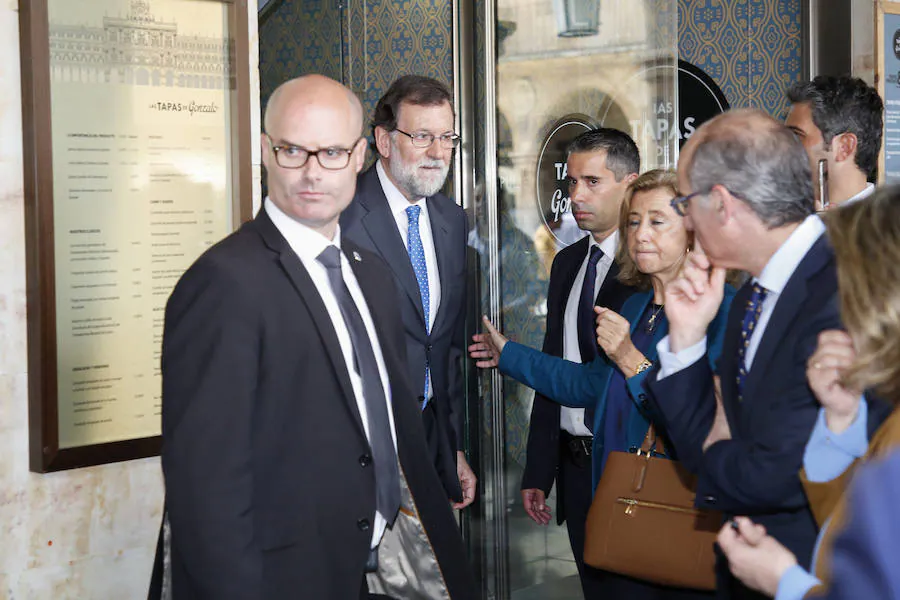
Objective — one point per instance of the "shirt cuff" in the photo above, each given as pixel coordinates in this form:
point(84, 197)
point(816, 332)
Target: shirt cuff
point(672, 362)
point(829, 454)
point(795, 583)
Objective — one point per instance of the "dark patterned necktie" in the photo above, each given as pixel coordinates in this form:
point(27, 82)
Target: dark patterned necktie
point(751, 318)
point(387, 473)
point(587, 337)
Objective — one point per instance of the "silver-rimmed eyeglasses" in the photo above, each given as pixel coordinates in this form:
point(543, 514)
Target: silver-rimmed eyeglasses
point(422, 139)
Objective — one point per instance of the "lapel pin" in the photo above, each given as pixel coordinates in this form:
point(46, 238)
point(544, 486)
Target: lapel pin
point(356, 256)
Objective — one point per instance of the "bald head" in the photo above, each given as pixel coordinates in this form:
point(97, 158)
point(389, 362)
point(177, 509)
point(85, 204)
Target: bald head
point(755, 157)
point(312, 92)
point(313, 150)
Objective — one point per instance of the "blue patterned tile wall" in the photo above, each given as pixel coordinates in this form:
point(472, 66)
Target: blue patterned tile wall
point(383, 39)
point(751, 48)
point(299, 36)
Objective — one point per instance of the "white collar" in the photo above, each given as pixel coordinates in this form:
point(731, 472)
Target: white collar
point(783, 263)
point(306, 242)
point(396, 200)
point(608, 246)
point(865, 193)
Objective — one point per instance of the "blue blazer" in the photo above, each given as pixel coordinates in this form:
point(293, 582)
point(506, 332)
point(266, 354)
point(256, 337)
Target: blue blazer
point(865, 552)
point(584, 385)
point(755, 473)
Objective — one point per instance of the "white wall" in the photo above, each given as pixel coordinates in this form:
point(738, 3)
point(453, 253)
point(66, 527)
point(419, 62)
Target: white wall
point(87, 534)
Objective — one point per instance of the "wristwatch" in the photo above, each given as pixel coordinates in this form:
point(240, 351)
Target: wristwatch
point(643, 366)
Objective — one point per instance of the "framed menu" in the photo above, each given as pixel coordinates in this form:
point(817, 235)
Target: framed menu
point(136, 119)
point(887, 51)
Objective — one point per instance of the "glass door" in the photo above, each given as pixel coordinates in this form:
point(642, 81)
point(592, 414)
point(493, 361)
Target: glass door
point(543, 71)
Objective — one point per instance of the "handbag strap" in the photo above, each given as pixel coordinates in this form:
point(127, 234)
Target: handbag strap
point(653, 442)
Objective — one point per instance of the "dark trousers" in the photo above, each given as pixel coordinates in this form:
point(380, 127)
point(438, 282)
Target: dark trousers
point(576, 494)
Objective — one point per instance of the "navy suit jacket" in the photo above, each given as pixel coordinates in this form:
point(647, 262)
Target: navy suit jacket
point(864, 558)
point(756, 472)
point(586, 385)
point(542, 453)
point(368, 222)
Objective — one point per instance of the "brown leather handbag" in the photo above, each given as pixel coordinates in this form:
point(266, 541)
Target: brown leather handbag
point(643, 524)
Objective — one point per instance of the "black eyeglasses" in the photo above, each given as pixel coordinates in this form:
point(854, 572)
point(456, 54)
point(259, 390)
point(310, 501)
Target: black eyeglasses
point(333, 158)
point(422, 139)
point(680, 203)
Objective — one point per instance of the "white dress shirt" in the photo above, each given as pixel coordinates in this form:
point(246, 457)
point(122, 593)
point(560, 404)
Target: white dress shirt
point(865, 193)
point(774, 278)
point(398, 205)
point(308, 244)
point(572, 419)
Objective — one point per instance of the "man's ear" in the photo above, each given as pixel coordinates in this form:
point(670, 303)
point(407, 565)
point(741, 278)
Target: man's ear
point(265, 149)
point(630, 178)
point(359, 153)
point(383, 141)
point(724, 204)
point(844, 146)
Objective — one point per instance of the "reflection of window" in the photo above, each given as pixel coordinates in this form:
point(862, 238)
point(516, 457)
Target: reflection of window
point(577, 18)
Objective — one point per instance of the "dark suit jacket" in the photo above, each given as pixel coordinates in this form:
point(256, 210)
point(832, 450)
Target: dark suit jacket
point(369, 223)
point(269, 488)
point(756, 472)
point(542, 453)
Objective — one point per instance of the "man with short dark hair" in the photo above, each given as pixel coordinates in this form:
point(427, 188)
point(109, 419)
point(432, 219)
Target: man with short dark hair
point(399, 213)
point(601, 164)
point(839, 120)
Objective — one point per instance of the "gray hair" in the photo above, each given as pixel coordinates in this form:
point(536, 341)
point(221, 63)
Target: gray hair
point(759, 161)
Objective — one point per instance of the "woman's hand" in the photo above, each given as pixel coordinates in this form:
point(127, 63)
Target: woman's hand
point(824, 370)
point(755, 558)
point(614, 337)
point(488, 346)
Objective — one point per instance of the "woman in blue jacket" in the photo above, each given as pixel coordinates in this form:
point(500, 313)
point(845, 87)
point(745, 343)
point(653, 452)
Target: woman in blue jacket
point(653, 245)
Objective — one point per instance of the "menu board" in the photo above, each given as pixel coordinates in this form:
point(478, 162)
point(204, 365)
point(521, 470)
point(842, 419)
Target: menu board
point(141, 131)
point(891, 96)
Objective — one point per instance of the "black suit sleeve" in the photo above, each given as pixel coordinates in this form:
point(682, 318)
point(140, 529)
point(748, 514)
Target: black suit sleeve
point(457, 354)
point(209, 370)
point(757, 472)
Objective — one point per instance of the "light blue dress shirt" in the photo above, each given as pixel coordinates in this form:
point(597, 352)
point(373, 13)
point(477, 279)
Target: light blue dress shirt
point(826, 457)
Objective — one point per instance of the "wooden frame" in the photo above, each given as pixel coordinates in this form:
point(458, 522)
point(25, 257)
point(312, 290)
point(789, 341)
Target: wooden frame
point(883, 7)
point(44, 448)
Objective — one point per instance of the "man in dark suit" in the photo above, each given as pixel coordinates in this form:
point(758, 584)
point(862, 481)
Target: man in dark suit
point(601, 163)
point(286, 402)
point(750, 203)
point(838, 120)
point(400, 214)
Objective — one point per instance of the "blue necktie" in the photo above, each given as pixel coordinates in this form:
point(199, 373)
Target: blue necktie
point(587, 337)
point(387, 472)
point(417, 259)
point(751, 318)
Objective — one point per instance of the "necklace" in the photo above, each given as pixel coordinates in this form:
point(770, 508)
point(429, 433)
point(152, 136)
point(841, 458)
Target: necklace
point(654, 319)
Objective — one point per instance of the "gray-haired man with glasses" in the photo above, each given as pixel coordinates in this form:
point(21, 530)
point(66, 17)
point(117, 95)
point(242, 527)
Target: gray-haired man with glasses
point(399, 213)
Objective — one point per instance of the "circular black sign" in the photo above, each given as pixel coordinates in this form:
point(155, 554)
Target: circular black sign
point(699, 99)
point(552, 190)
